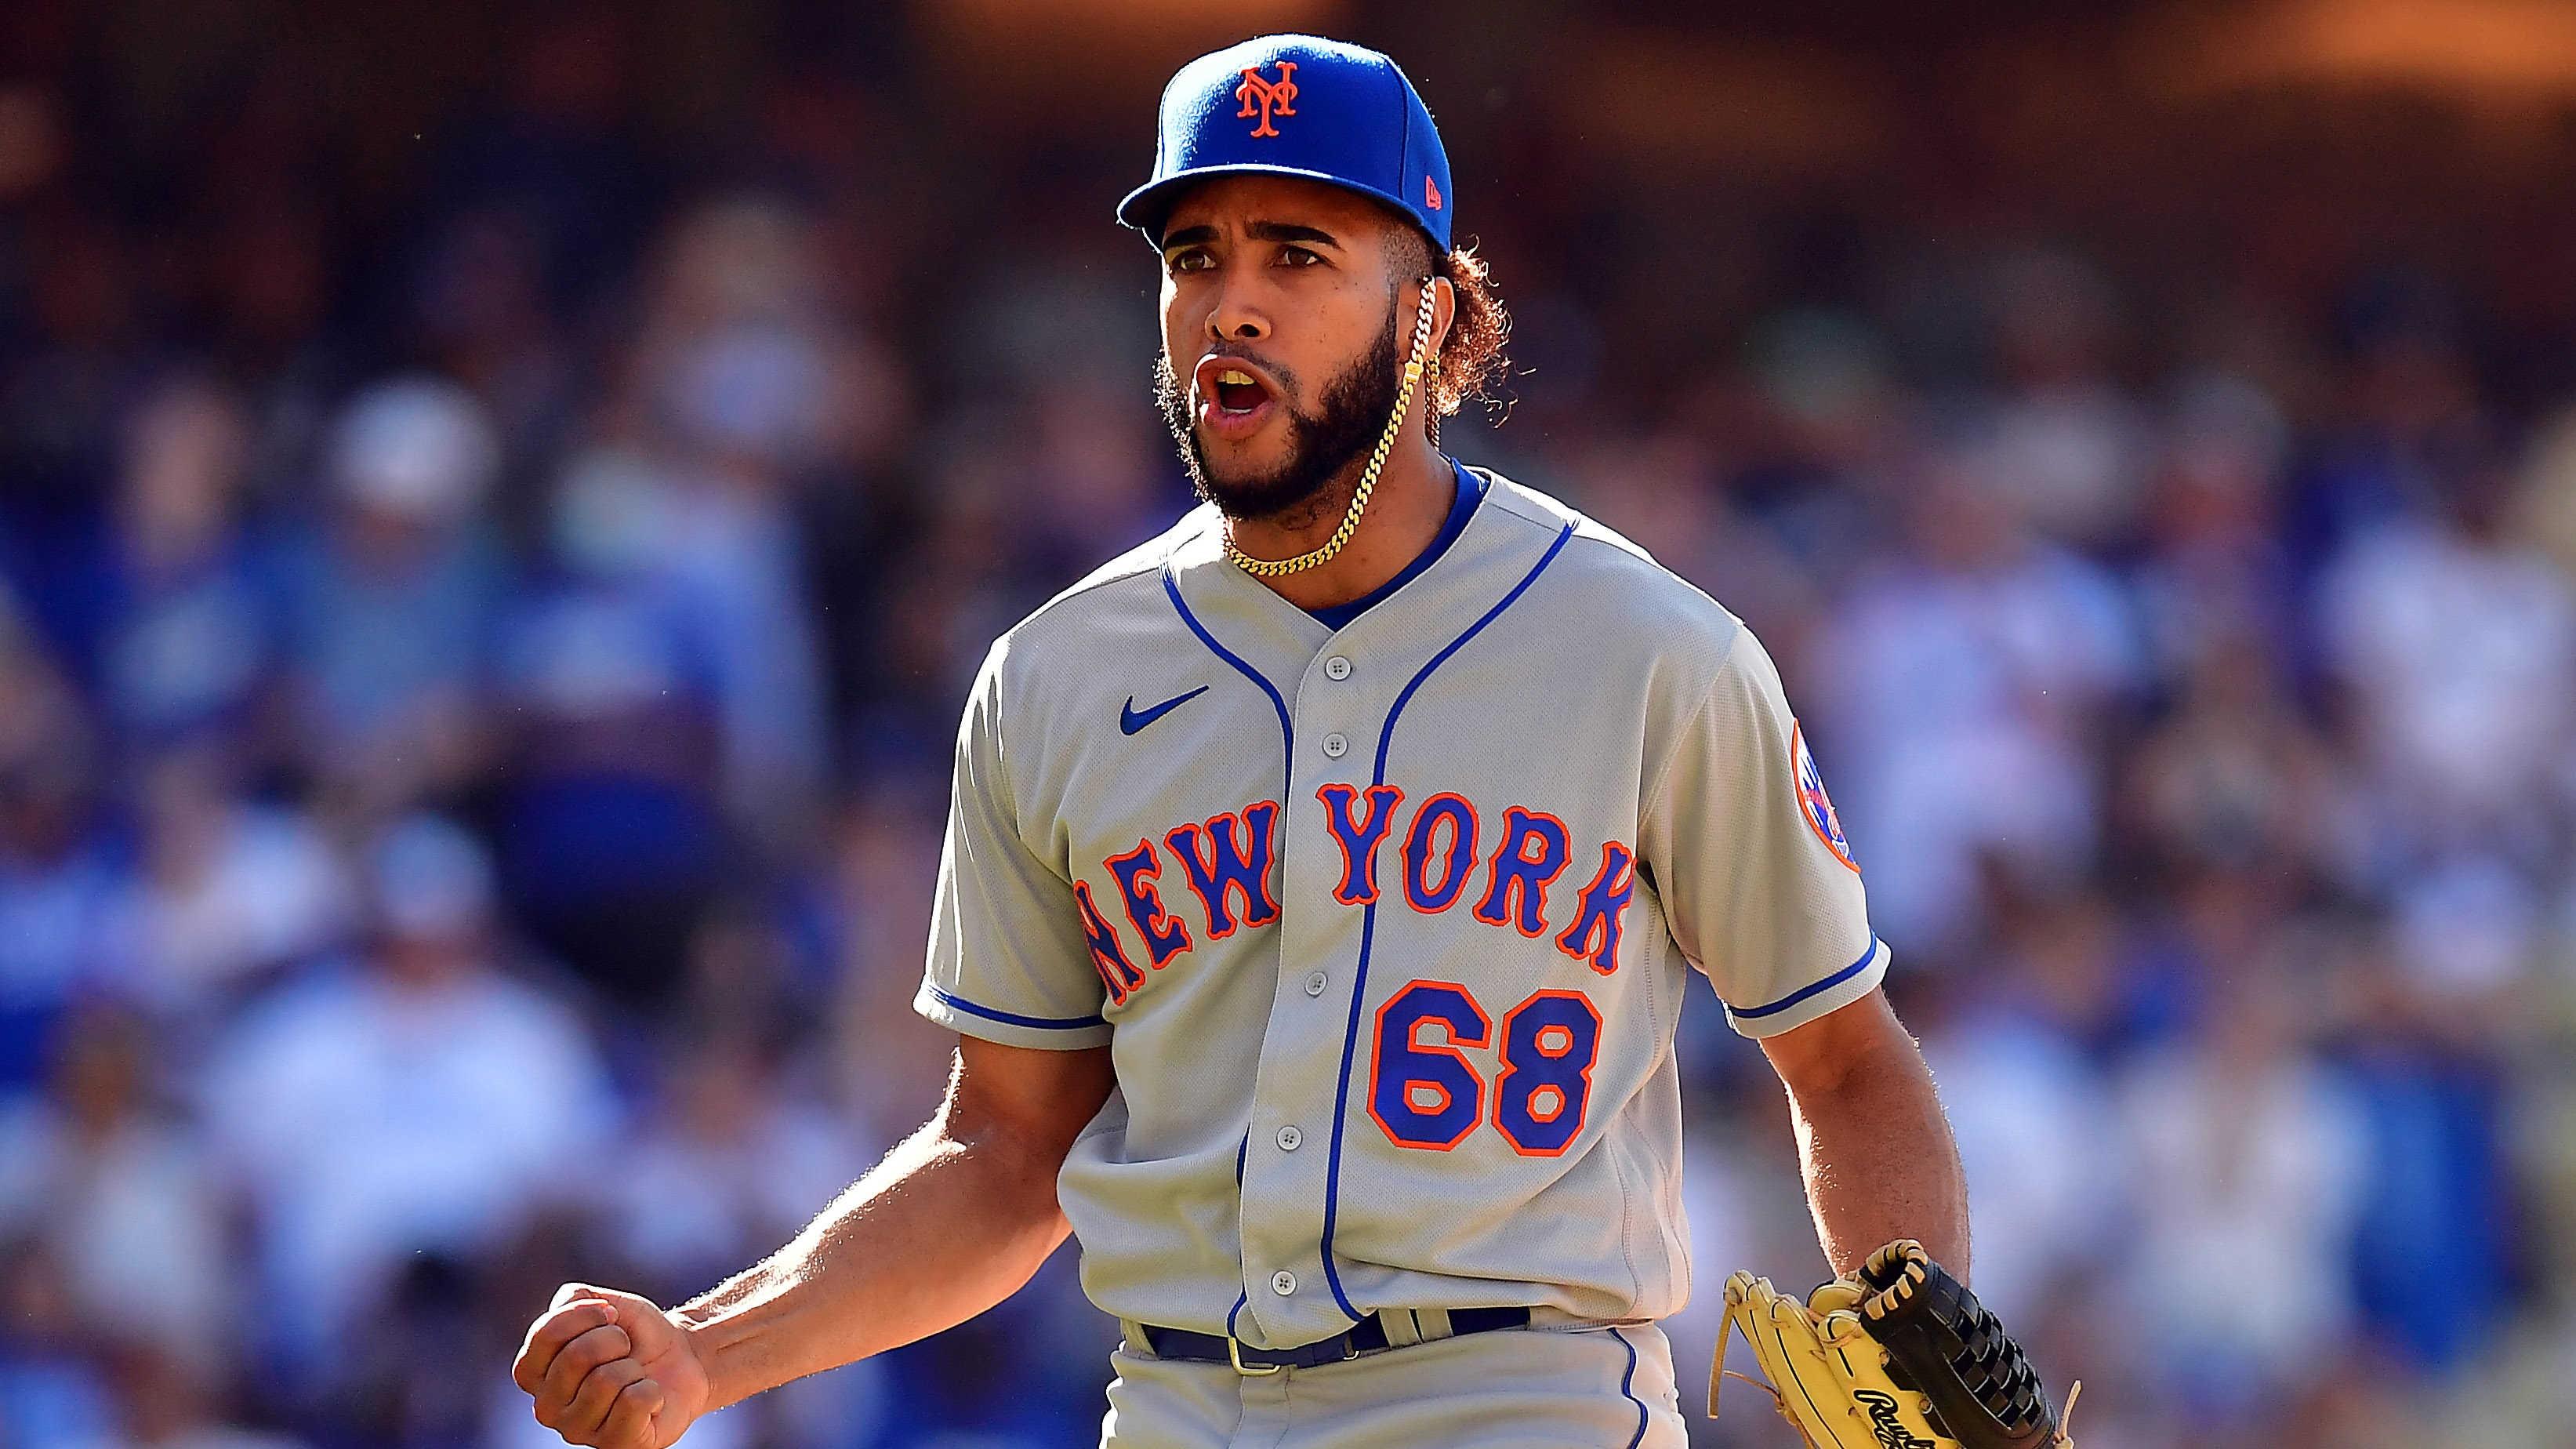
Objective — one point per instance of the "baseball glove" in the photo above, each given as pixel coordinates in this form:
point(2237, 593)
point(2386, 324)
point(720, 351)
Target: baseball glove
point(1902, 1357)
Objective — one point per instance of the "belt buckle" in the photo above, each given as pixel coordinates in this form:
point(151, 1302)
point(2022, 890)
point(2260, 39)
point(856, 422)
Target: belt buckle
point(1234, 1351)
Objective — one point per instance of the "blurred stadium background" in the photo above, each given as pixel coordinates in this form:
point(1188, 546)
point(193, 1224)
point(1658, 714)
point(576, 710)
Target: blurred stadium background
point(499, 504)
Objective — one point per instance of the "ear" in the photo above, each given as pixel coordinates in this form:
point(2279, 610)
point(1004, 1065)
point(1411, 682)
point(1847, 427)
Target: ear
point(1444, 310)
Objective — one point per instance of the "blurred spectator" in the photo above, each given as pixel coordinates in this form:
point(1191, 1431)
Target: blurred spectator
point(2068, 444)
point(2434, 1243)
point(739, 375)
point(228, 889)
point(2459, 642)
point(1996, 648)
point(2035, 1128)
point(416, 1099)
point(607, 670)
point(2233, 777)
point(2247, 1192)
point(186, 633)
point(391, 595)
point(2215, 569)
point(107, 1187)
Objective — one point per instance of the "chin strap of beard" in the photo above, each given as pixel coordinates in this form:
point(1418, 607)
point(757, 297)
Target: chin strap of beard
point(1419, 366)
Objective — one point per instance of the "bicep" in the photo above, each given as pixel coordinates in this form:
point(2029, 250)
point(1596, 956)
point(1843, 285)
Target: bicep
point(1010, 955)
point(1033, 1099)
point(1748, 859)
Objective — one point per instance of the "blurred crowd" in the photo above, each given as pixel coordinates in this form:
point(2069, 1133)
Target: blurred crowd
point(482, 619)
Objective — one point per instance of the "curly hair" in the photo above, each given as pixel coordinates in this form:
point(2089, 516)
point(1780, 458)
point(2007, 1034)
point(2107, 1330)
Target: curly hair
point(1472, 361)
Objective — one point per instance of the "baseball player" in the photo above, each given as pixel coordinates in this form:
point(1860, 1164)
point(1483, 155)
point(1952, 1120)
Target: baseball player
point(1322, 883)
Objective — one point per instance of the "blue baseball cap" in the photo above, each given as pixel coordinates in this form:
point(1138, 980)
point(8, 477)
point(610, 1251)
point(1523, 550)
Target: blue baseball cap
point(1298, 105)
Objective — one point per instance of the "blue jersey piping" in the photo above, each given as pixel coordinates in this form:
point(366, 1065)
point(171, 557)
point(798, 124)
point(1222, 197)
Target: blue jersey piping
point(1047, 1023)
point(1368, 918)
point(1627, 1382)
point(1810, 989)
point(1287, 766)
point(1287, 732)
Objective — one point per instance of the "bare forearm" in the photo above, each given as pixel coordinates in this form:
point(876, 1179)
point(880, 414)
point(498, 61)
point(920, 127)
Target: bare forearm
point(937, 1233)
point(1880, 1163)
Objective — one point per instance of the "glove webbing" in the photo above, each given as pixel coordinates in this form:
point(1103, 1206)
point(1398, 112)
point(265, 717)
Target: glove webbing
point(1943, 1344)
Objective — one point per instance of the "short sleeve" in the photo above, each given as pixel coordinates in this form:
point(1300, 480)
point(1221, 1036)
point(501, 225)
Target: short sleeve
point(1008, 961)
point(1742, 843)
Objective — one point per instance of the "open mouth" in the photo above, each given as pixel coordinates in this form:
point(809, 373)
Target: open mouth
point(1233, 397)
point(1236, 392)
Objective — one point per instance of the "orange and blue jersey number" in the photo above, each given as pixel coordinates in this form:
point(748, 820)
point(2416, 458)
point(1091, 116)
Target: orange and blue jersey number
point(1425, 1091)
point(1549, 1043)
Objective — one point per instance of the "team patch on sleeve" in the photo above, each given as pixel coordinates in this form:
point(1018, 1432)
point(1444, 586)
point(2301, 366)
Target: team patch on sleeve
point(1813, 802)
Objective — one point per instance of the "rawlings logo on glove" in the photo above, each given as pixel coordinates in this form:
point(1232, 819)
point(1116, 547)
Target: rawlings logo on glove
point(1885, 1422)
point(1901, 1357)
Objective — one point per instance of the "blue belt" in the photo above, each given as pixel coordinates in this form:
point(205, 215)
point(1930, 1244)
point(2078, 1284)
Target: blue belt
point(1368, 1336)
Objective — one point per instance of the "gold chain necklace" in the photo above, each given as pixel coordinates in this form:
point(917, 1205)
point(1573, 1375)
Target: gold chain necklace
point(1414, 372)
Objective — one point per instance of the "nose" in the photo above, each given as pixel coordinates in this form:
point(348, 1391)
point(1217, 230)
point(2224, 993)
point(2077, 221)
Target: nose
point(1237, 317)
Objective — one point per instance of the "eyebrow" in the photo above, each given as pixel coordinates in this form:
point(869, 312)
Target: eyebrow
point(1270, 231)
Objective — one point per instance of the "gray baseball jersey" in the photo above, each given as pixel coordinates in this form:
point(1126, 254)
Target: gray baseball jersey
point(1386, 926)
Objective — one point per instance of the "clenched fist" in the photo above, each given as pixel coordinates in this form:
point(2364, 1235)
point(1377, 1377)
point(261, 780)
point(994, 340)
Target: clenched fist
point(610, 1370)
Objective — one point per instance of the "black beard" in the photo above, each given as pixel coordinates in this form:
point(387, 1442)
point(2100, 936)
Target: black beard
point(1321, 445)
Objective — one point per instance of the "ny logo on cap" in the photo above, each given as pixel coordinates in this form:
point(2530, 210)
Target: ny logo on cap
point(1273, 98)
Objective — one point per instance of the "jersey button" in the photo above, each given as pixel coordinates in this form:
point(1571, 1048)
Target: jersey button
point(1336, 745)
point(1290, 1139)
point(1337, 668)
point(1283, 1282)
point(1314, 983)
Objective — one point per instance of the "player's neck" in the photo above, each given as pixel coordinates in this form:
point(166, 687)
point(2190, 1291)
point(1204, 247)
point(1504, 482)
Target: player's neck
point(1404, 515)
